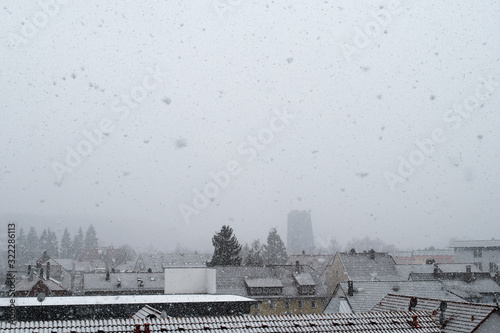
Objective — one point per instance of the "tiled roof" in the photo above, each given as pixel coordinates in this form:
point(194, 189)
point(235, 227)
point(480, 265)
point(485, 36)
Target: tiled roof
point(400, 322)
point(304, 279)
point(96, 282)
point(253, 283)
point(406, 270)
point(368, 294)
point(360, 267)
point(473, 289)
point(462, 317)
point(231, 279)
point(157, 261)
point(475, 243)
point(318, 262)
point(26, 285)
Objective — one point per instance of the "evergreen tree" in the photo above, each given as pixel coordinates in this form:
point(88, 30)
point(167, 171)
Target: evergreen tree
point(21, 248)
point(226, 248)
point(52, 244)
point(43, 242)
point(90, 242)
point(77, 244)
point(32, 248)
point(66, 245)
point(275, 250)
point(254, 256)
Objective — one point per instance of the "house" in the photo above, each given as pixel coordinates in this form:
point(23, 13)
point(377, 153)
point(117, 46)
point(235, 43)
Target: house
point(280, 289)
point(393, 322)
point(451, 316)
point(39, 280)
point(422, 257)
point(366, 266)
point(27, 287)
point(484, 253)
point(123, 283)
point(356, 296)
point(157, 262)
point(322, 264)
point(436, 271)
point(464, 280)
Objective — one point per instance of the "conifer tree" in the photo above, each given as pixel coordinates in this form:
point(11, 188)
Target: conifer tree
point(275, 250)
point(66, 251)
point(91, 241)
point(226, 248)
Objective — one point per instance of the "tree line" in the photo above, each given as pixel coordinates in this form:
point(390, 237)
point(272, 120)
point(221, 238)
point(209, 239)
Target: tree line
point(229, 252)
point(31, 246)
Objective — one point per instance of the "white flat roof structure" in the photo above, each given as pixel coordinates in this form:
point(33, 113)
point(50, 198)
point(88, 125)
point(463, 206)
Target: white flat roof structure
point(123, 299)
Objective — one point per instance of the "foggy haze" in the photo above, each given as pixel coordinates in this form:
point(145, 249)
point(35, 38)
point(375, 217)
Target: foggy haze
point(301, 105)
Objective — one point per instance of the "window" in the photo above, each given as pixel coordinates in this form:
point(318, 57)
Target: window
point(479, 265)
point(313, 303)
point(271, 304)
point(478, 253)
point(299, 304)
point(493, 267)
point(287, 304)
point(256, 307)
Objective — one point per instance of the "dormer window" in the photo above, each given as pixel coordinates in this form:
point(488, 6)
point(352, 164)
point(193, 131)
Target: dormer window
point(119, 283)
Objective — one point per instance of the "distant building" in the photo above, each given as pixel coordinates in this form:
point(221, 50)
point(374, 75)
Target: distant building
point(110, 283)
point(422, 257)
point(300, 233)
point(157, 262)
point(484, 253)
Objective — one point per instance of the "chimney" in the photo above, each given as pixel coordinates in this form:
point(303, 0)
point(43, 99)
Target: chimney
point(372, 254)
point(415, 321)
point(137, 328)
point(413, 303)
point(468, 273)
point(48, 270)
point(350, 288)
point(303, 252)
point(442, 315)
point(297, 267)
point(30, 273)
point(146, 328)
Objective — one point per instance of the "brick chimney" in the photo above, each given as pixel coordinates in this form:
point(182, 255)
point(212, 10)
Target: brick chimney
point(47, 273)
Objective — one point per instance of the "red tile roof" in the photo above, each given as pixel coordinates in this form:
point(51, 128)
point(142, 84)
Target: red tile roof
point(362, 322)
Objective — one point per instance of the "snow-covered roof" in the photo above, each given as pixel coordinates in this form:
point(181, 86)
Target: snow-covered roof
point(124, 299)
point(401, 322)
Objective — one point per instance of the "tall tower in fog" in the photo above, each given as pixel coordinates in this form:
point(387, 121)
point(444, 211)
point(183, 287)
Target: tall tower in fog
point(300, 233)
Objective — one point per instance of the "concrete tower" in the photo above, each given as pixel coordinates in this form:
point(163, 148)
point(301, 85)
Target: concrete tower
point(300, 233)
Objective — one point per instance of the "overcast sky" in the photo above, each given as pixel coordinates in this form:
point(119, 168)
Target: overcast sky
point(294, 104)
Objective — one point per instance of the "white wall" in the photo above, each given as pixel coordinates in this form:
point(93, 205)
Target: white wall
point(191, 280)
